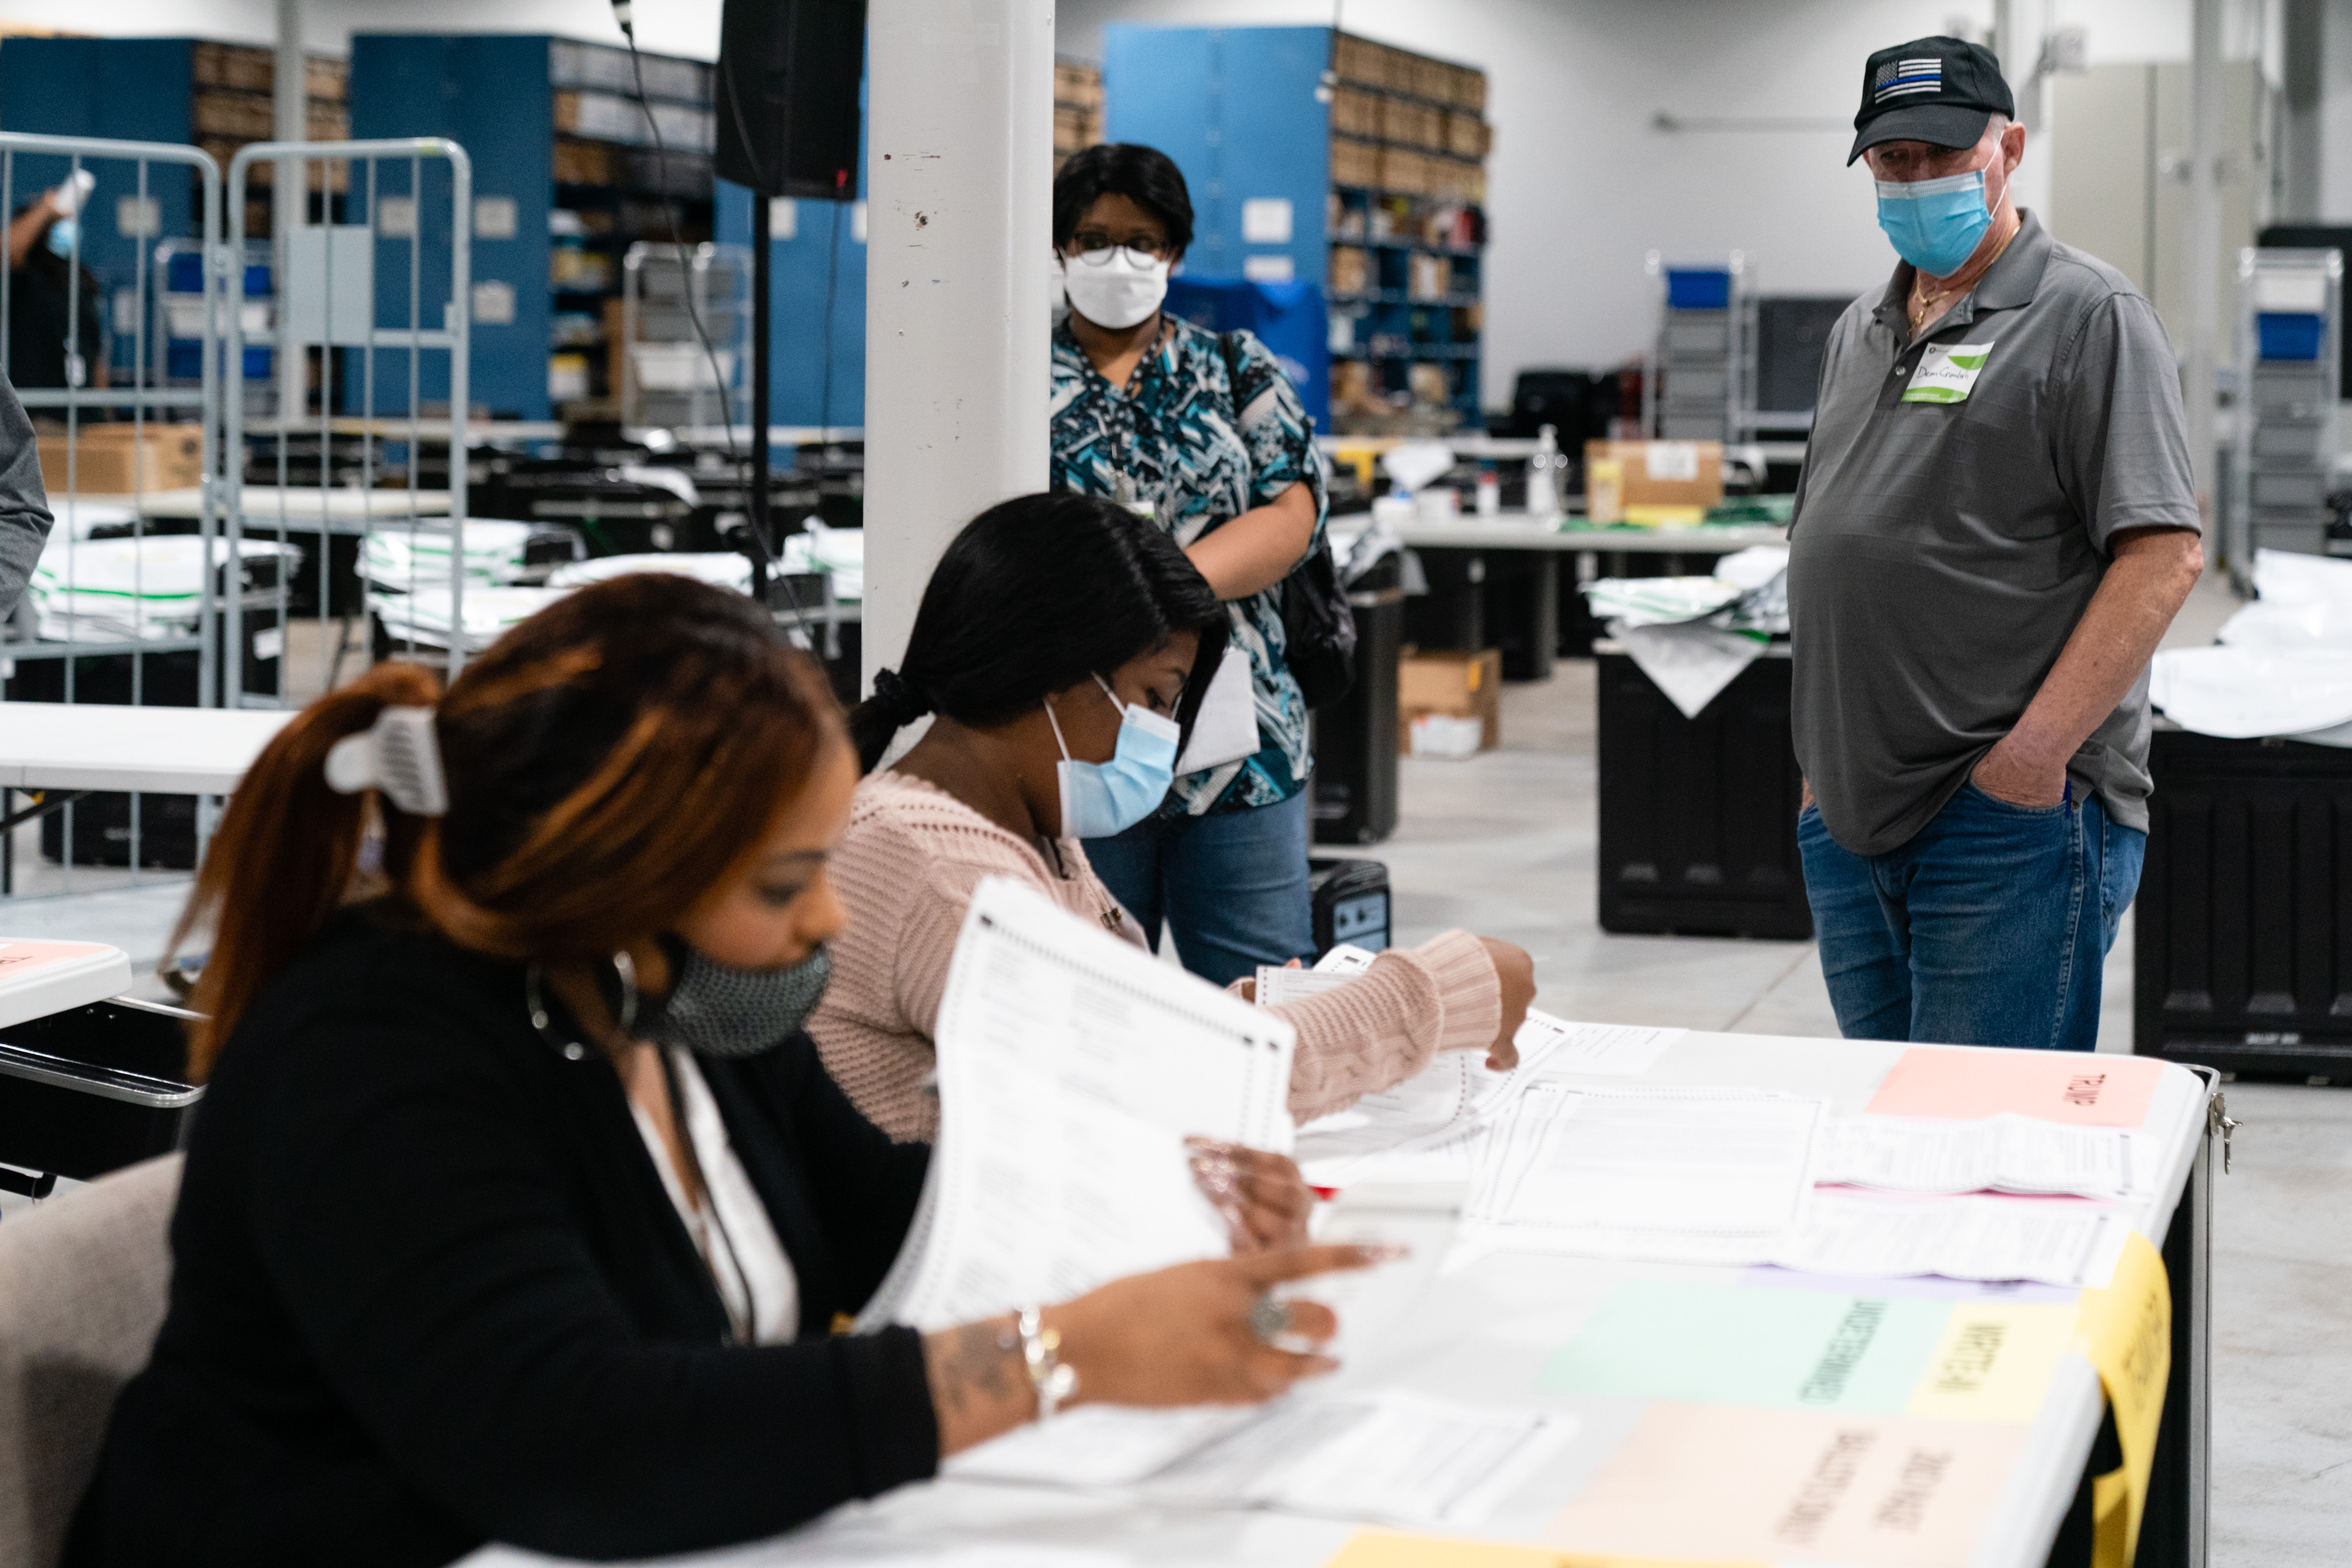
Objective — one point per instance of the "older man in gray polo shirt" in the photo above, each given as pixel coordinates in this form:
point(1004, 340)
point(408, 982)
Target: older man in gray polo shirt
point(1995, 525)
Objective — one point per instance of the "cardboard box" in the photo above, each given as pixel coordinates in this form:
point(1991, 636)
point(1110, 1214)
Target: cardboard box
point(1351, 270)
point(1659, 472)
point(108, 461)
point(1355, 163)
point(1457, 685)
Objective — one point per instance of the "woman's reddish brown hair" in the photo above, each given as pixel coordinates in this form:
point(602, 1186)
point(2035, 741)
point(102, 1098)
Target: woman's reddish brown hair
point(609, 762)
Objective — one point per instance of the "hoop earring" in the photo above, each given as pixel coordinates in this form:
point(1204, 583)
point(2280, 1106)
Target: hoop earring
point(626, 969)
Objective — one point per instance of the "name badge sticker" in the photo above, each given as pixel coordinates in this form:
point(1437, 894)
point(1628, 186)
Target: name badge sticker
point(1947, 373)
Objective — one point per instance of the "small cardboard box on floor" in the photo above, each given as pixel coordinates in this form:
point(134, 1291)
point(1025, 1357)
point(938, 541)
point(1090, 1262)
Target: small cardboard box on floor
point(1454, 685)
point(117, 459)
point(1655, 482)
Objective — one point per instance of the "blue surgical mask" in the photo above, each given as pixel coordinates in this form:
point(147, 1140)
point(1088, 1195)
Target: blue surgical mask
point(1935, 224)
point(62, 235)
point(1103, 799)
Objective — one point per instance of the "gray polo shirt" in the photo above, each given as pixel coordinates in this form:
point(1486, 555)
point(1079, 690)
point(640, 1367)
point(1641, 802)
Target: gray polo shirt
point(1953, 521)
point(24, 507)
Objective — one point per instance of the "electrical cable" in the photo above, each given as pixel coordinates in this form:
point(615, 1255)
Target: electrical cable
point(621, 13)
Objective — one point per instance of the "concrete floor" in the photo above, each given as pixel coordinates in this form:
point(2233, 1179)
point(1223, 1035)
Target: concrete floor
point(1503, 845)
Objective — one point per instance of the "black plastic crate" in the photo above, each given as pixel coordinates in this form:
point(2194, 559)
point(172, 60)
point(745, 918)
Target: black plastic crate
point(93, 1089)
point(1699, 817)
point(1352, 904)
point(2242, 944)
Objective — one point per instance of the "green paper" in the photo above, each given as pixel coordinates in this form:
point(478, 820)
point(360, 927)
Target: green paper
point(1733, 1344)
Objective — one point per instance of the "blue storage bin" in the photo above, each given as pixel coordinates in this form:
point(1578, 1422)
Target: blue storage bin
point(2290, 335)
point(256, 363)
point(187, 273)
point(184, 360)
point(1707, 289)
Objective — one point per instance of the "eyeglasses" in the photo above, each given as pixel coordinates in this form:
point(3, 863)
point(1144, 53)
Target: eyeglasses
point(1096, 249)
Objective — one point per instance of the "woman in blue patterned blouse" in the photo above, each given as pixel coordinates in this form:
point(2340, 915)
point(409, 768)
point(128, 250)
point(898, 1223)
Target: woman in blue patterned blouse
point(1204, 433)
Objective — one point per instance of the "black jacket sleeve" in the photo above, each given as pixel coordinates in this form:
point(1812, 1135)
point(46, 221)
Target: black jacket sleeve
point(867, 1201)
point(414, 1219)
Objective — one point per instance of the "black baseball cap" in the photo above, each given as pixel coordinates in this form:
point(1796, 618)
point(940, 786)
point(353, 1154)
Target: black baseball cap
point(1938, 90)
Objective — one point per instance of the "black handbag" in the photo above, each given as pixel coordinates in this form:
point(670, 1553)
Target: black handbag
point(1318, 629)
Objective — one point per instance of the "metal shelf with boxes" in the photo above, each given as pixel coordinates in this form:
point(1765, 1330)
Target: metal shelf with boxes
point(2289, 345)
point(1078, 108)
point(1408, 227)
point(567, 177)
point(1333, 174)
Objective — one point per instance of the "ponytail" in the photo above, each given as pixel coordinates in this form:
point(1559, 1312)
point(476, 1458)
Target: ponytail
point(286, 854)
point(875, 723)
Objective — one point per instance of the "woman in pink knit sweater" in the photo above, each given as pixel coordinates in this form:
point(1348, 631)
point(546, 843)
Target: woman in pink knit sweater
point(1058, 644)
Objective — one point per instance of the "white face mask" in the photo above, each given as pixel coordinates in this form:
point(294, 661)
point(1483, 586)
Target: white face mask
point(1115, 286)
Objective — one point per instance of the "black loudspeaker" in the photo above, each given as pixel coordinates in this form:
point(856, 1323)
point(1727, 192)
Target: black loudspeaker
point(788, 72)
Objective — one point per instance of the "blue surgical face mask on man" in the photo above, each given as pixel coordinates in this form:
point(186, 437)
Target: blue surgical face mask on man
point(62, 235)
point(1103, 799)
point(1935, 224)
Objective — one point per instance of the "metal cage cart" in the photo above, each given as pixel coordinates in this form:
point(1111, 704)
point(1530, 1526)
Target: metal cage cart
point(1702, 385)
point(372, 298)
point(2289, 340)
point(116, 611)
point(666, 376)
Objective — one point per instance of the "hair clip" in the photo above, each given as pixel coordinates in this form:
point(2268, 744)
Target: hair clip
point(398, 755)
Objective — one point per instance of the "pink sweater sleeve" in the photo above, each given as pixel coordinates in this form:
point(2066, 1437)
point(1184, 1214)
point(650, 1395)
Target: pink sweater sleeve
point(1386, 1025)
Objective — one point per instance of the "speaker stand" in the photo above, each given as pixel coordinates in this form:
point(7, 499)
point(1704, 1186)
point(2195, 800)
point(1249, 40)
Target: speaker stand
point(762, 261)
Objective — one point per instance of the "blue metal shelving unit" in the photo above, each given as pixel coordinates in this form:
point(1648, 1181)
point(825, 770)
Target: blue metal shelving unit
point(1246, 114)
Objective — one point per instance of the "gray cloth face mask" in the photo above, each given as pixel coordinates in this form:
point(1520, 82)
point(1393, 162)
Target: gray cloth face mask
point(717, 1010)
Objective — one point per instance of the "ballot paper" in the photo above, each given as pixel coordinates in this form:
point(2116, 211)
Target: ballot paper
point(1678, 1175)
point(1426, 1129)
point(1281, 983)
point(1600, 1050)
point(1392, 1455)
point(2051, 1243)
point(1996, 1154)
point(1072, 1066)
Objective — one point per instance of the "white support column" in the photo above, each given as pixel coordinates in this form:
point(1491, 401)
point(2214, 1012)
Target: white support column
point(290, 121)
point(2204, 243)
point(959, 171)
point(2020, 28)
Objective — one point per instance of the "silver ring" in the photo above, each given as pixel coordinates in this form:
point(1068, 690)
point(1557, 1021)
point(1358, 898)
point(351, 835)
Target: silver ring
point(1269, 1318)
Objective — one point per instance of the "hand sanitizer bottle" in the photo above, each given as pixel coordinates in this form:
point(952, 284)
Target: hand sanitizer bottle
point(1543, 477)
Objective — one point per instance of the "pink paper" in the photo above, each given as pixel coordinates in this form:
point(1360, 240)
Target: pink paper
point(2074, 1087)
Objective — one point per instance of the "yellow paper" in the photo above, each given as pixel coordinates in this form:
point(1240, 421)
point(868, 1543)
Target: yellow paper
point(2125, 1332)
point(1380, 1549)
point(1994, 1361)
point(1658, 515)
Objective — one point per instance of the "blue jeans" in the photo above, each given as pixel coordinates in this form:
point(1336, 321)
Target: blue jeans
point(1231, 887)
point(1990, 927)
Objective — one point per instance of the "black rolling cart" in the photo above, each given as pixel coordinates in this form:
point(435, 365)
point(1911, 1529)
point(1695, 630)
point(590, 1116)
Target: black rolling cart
point(2242, 944)
point(1699, 817)
point(1354, 790)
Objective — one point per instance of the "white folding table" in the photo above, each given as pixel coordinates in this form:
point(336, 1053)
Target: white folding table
point(1483, 1335)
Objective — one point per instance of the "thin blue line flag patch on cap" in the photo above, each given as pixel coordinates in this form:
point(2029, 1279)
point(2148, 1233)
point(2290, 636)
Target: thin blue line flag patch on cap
point(1900, 78)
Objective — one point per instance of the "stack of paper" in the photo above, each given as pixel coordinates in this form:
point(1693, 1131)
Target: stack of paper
point(415, 556)
point(1997, 1153)
point(1390, 1456)
point(423, 619)
point(724, 567)
point(128, 589)
point(1429, 1128)
point(1676, 1174)
point(1072, 1068)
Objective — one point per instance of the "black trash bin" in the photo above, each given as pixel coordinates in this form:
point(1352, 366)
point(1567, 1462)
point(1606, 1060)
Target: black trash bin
point(1354, 790)
point(1698, 816)
point(2242, 939)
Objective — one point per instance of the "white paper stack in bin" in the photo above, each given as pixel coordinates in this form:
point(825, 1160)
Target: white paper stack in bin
point(128, 589)
point(1692, 635)
point(2282, 666)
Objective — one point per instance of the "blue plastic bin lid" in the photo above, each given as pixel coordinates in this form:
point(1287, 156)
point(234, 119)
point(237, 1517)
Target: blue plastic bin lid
point(2290, 335)
point(1698, 288)
point(185, 273)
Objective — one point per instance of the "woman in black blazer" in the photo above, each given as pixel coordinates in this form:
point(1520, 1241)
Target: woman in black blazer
point(491, 1228)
